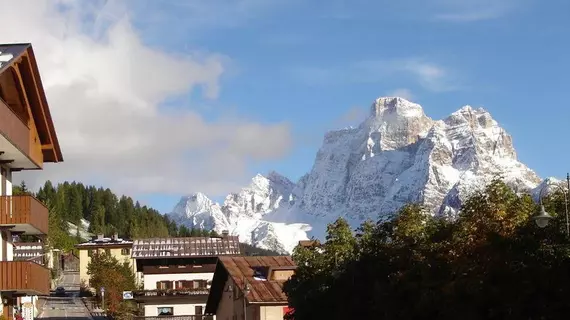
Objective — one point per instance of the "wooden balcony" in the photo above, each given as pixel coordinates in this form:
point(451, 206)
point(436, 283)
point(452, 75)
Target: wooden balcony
point(24, 214)
point(19, 143)
point(24, 277)
point(171, 292)
point(198, 295)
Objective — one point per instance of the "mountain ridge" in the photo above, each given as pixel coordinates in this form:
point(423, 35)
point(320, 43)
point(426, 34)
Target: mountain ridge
point(398, 155)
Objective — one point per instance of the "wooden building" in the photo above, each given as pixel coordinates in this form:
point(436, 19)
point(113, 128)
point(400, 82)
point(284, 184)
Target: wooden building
point(250, 288)
point(27, 141)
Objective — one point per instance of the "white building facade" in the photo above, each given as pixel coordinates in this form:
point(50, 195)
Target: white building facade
point(177, 273)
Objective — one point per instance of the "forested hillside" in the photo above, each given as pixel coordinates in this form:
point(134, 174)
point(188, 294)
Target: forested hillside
point(107, 214)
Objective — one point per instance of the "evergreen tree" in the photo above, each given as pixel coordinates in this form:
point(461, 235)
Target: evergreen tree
point(74, 204)
point(97, 225)
point(21, 189)
point(183, 231)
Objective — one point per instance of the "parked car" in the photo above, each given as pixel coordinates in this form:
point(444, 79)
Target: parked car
point(60, 291)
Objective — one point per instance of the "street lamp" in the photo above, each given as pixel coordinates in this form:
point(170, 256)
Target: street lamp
point(543, 218)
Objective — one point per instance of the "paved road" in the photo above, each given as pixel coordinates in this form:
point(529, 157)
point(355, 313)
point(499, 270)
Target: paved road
point(70, 307)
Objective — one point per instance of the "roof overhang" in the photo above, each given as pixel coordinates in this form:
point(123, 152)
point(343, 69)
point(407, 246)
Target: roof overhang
point(25, 59)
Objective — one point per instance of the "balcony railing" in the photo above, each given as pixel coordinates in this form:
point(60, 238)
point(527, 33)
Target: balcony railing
point(25, 213)
point(171, 292)
point(24, 277)
point(19, 134)
point(189, 317)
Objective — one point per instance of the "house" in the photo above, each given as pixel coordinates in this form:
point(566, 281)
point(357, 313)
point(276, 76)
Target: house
point(250, 285)
point(177, 273)
point(117, 247)
point(28, 140)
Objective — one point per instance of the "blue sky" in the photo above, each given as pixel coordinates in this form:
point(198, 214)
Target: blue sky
point(317, 65)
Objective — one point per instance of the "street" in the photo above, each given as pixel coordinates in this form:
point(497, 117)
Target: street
point(69, 307)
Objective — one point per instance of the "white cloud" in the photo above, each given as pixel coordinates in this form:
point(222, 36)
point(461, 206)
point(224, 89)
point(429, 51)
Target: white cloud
point(402, 93)
point(429, 75)
point(105, 86)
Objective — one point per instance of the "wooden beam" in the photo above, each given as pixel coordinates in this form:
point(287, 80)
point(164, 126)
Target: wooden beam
point(24, 93)
point(47, 146)
point(6, 161)
point(40, 101)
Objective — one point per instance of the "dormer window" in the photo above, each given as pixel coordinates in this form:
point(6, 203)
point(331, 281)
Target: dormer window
point(260, 273)
point(281, 273)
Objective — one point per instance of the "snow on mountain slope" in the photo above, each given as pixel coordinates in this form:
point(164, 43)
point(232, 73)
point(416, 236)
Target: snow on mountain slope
point(263, 195)
point(398, 155)
point(243, 213)
point(72, 230)
point(198, 211)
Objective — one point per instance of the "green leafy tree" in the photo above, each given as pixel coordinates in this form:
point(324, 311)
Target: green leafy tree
point(489, 262)
point(106, 271)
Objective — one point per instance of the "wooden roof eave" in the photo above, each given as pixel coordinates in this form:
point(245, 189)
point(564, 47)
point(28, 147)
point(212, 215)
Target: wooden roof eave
point(52, 144)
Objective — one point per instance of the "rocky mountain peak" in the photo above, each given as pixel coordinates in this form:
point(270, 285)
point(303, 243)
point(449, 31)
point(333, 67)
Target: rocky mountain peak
point(395, 123)
point(476, 118)
point(197, 200)
point(397, 156)
point(385, 106)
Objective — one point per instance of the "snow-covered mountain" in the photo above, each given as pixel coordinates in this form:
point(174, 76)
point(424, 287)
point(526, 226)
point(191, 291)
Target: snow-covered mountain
point(243, 213)
point(398, 155)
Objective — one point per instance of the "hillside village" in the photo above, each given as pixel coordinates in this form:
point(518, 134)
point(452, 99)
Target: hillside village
point(284, 160)
point(128, 261)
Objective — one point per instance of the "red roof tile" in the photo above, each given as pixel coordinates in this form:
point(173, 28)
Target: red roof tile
point(242, 269)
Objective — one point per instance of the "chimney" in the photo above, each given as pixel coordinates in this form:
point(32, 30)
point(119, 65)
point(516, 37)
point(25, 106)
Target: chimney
point(100, 236)
point(115, 236)
point(225, 233)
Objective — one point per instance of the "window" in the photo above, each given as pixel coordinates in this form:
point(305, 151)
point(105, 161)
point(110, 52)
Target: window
point(183, 284)
point(191, 284)
point(198, 310)
point(163, 285)
point(165, 311)
point(125, 251)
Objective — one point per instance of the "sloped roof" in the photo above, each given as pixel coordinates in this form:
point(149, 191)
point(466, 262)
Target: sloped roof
point(105, 242)
point(242, 269)
point(12, 53)
point(185, 247)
